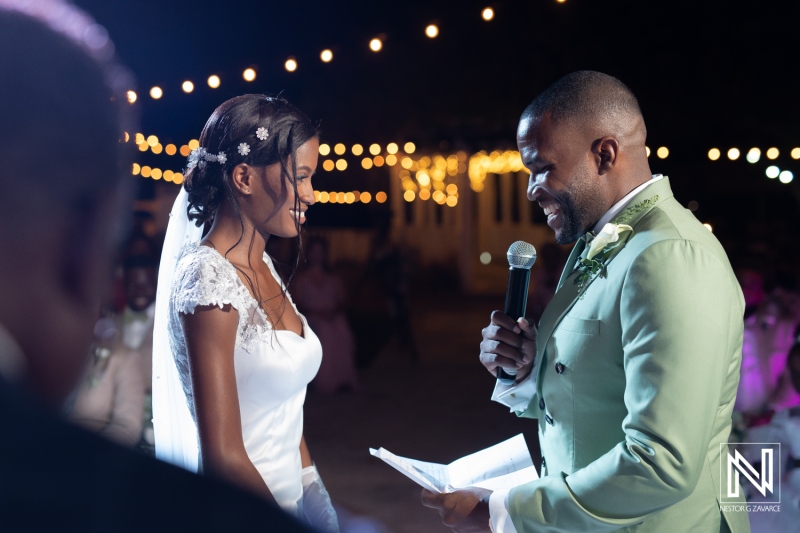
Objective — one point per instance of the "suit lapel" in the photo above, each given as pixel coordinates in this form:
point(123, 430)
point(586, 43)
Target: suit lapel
point(568, 291)
point(572, 260)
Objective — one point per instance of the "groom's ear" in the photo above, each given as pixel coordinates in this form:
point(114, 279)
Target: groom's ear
point(605, 151)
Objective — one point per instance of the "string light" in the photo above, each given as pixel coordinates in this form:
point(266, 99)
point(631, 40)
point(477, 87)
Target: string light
point(772, 172)
point(187, 86)
point(733, 154)
point(366, 163)
point(753, 155)
point(786, 176)
point(487, 13)
point(326, 56)
point(341, 164)
point(249, 74)
point(409, 148)
point(662, 152)
point(324, 149)
point(339, 149)
point(375, 45)
point(131, 96)
point(773, 153)
point(358, 149)
point(381, 197)
point(432, 31)
point(156, 93)
point(213, 81)
point(374, 149)
point(328, 165)
point(290, 65)
point(714, 154)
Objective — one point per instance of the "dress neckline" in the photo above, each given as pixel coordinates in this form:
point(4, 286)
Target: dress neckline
point(267, 261)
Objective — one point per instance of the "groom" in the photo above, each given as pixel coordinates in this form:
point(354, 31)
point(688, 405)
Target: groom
point(633, 372)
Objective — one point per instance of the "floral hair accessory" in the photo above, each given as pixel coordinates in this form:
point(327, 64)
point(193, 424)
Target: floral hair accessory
point(262, 133)
point(199, 158)
point(244, 149)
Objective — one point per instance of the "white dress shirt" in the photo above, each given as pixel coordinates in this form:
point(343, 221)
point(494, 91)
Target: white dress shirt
point(519, 395)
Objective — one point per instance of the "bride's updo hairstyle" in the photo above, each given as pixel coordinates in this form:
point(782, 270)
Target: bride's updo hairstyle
point(254, 129)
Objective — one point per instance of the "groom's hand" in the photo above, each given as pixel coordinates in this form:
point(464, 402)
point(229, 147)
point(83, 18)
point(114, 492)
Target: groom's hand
point(508, 344)
point(465, 511)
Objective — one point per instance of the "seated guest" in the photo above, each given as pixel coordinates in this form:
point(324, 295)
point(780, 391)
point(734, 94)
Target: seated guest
point(62, 102)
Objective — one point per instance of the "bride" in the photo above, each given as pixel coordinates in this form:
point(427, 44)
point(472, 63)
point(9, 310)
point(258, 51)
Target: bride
point(232, 356)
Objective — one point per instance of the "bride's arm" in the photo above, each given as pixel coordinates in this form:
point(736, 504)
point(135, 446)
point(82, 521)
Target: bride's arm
point(305, 457)
point(210, 339)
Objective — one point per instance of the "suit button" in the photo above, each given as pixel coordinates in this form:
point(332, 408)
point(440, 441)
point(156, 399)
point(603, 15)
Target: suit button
point(548, 419)
point(541, 404)
point(559, 368)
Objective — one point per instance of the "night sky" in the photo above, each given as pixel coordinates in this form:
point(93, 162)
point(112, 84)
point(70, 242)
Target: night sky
point(707, 74)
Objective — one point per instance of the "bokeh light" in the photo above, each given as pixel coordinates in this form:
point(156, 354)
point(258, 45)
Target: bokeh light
point(213, 81)
point(131, 96)
point(375, 45)
point(487, 13)
point(662, 152)
point(409, 148)
point(249, 74)
point(156, 92)
point(290, 65)
point(753, 155)
point(187, 86)
point(381, 197)
point(786, 176)
point(432, 31)
point(714, 154)
point(357, 149)
point(772, 171)
point(486, 258)
point(326, 56)
point(733, 154)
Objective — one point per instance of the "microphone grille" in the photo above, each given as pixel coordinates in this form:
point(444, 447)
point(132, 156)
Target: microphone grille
point(521, 255)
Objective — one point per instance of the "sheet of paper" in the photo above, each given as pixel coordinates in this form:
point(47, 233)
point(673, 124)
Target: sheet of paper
point(432, 476)
point(508, 456)
point(501, 466)
point(511, 480)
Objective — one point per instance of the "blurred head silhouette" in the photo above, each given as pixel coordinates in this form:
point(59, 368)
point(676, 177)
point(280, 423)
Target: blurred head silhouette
point(62, 177)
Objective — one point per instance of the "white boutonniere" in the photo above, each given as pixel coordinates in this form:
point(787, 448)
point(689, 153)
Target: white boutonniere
point(608, 235)
point(600, 250)
point(603, 245)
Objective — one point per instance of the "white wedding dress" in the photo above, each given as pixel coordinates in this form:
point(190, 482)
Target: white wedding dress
point(272, 367)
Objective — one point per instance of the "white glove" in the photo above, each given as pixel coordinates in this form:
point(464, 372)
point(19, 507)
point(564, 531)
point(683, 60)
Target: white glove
point(317, 507)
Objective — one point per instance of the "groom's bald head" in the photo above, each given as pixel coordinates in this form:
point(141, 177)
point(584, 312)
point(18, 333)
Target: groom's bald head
point(593, 100)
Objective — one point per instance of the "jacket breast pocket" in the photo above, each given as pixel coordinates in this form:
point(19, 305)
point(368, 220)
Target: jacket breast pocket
point(583, 326)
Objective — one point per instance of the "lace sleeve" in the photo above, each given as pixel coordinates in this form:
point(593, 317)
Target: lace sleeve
point(205, 278)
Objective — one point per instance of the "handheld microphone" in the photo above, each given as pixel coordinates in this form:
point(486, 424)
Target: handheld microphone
point(521, 257)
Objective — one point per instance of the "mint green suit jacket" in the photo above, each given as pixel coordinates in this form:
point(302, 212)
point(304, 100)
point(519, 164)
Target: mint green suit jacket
point(636, 380)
